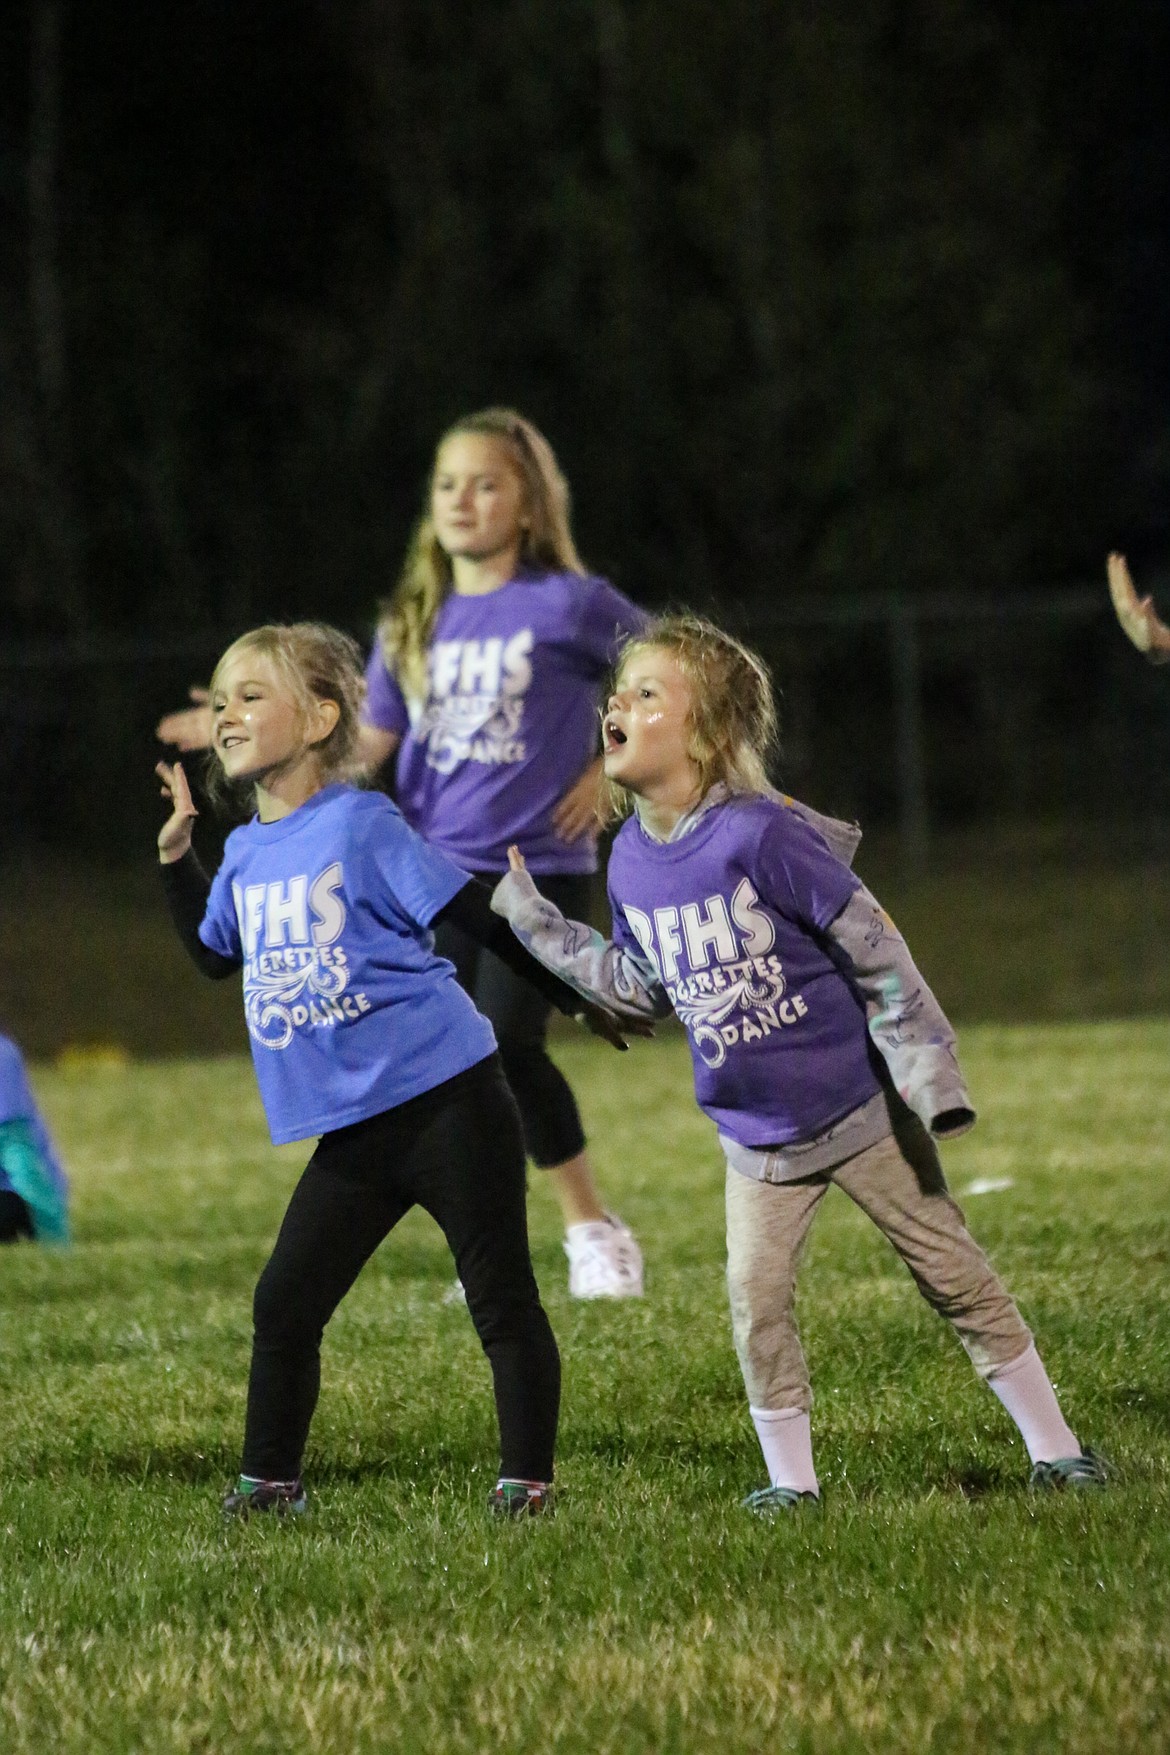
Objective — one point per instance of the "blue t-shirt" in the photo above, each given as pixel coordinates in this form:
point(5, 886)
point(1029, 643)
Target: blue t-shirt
point(17, 1103)
point(733, 916)
point(349, 1009)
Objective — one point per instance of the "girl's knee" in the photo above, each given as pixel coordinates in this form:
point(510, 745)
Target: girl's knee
point(514, 1317)
point(526, 1064)
point(278, 1311)
point(759, 1291)
point(773, 1368)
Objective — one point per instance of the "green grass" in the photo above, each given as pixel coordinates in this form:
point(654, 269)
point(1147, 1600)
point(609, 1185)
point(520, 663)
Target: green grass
point(934, 1605)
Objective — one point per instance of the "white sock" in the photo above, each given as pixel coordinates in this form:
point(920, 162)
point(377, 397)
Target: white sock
point(1030, 1399)
point(785, 1437)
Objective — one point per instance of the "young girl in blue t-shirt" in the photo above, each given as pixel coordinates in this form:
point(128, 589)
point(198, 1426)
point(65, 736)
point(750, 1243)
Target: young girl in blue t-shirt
point(360, 1034)
point(818, 1049)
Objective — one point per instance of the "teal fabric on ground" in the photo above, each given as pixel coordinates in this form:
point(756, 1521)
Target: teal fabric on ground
point(25, 1171)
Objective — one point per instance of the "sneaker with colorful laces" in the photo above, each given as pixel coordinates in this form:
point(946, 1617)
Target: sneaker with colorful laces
point(604, 1260)
point(777, 1501)
point(1083, 1473)
point(521, 1499)
point(250, 1498)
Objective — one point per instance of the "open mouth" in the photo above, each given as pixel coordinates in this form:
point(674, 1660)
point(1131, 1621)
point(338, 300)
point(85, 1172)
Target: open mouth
point(614, 734)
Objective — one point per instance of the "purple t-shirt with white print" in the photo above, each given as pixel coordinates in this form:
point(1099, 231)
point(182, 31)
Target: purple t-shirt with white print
point(732, 916)
point(510, 719)
point(350, 1011)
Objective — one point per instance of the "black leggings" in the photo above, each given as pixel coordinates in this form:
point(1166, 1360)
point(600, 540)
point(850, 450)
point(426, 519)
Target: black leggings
point(456, 1151)
point(519, 1016)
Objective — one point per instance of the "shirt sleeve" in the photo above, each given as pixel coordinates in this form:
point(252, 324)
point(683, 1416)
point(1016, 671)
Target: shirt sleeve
point(606, 621)
point(186, 887)
point(800, 876)
point(220, 929)
point(385, 704)
point(419, 878)
point(905, 1020)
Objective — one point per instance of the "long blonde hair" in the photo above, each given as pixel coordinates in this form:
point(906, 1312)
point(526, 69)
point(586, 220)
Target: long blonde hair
point(315, 663)
point(408, 615)
point(733, 723)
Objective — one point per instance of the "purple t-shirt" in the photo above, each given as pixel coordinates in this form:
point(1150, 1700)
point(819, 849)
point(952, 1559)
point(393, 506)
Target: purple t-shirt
point(733, 918)
point(510, 718)
point(349, 1009)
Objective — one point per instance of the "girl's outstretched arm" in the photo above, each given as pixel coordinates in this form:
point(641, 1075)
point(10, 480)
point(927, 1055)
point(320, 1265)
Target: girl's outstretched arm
point(185, 883)
point(1137, 615)
point(905, 1020)
point(597, 968)
point(187, 886)
point(471, 909)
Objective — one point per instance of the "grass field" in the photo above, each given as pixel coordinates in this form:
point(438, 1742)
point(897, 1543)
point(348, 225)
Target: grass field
point(934, 1604)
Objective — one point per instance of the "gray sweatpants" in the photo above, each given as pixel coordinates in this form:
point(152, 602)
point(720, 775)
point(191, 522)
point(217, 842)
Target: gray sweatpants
point(900, 1184)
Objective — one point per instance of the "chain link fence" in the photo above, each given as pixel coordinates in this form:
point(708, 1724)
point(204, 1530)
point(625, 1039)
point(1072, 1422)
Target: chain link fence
point(916, 716)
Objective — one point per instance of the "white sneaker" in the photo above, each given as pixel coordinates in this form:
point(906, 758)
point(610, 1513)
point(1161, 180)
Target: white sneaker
point(604, 1260)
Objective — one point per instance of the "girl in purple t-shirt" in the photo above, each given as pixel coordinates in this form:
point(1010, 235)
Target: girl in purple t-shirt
point(484, 685)
point(819, 1050)
point(491, 660)
point(360, 1033)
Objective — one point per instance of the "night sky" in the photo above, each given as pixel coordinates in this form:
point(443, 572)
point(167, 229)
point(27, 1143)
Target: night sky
point(792, 295)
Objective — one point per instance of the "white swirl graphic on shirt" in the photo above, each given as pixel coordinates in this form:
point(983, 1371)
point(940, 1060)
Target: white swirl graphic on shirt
point(702, 1012)
point(271, 996)
point(475, 728)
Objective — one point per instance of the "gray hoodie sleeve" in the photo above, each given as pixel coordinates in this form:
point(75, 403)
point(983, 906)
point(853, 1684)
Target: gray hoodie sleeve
point(905, 1020)
point(625, 984)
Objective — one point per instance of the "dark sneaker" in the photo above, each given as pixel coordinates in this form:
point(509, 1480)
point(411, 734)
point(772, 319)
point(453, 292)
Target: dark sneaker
point(775, 1501)
point(1084, 1473)
point(281, 1498)
point(521, 1499)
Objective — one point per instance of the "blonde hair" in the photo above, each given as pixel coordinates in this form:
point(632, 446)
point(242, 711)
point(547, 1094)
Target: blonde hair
point(315, 663)
point(733, 724)
point(546, 540)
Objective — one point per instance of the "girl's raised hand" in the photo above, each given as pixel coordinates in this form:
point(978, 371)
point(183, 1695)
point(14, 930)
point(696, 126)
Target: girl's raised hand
point(190, 728)
point(1137, 615)
point(174, 838)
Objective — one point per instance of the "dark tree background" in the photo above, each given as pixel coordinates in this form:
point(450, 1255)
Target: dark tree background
point(810, 299)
